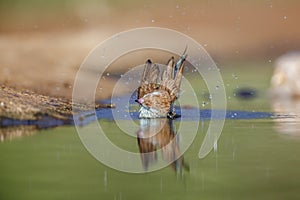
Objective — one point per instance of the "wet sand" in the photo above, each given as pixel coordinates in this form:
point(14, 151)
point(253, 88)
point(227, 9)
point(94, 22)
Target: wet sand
point(26, 105)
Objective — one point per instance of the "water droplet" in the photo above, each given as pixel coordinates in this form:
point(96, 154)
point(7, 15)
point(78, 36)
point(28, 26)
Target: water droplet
point(215, 146)
point(234, 76)
point(105, 179)
point(103, 53)
point(161, 184)
point(107, 74)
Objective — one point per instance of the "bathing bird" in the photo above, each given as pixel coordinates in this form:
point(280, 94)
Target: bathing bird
point(156, 94)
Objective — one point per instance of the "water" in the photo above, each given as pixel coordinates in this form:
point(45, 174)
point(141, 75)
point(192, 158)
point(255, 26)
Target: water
point(252, 160)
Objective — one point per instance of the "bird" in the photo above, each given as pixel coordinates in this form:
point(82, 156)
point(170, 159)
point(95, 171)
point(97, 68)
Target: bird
point(156, 94)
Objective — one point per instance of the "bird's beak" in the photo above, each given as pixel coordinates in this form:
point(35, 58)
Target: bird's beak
point(140, 100)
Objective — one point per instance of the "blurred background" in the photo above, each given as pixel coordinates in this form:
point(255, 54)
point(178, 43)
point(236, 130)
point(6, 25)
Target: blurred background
point(52, 38)
point(43, 44)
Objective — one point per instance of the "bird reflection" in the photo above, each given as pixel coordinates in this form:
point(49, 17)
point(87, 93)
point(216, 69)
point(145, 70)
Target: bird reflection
point(159, 133)
point(14, 132)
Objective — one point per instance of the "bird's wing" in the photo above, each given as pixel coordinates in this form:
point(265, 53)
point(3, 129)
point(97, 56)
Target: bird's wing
point(149, 79)
point(171, 78)
point(167, 81)
point(178, 78)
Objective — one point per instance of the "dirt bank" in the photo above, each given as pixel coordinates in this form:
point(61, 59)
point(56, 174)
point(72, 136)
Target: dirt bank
point(26, 105)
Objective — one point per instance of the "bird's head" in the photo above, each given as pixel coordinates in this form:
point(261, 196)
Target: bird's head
point(157, 102)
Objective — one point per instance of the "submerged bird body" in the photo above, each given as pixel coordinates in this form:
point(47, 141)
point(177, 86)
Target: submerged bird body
point(156, 94)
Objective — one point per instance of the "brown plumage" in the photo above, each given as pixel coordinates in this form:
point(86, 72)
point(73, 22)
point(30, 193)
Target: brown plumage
point(157, 94)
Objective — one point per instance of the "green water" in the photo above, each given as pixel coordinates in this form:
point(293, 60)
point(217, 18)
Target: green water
point(254, 160)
